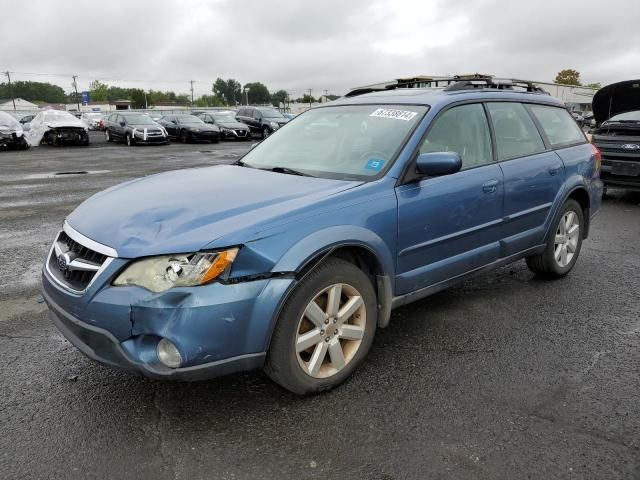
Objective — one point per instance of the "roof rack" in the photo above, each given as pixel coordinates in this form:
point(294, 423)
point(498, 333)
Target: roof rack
point(474, 81)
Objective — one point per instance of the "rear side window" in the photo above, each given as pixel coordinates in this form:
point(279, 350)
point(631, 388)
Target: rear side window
point(516, 134)
point(463, 130)
point(558, 125)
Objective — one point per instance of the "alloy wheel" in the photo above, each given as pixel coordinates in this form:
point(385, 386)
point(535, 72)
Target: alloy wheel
point(566, 241)
point(330, 330)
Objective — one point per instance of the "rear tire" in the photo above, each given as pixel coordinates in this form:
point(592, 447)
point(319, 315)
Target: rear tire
point(564, 244)
point(336, 344)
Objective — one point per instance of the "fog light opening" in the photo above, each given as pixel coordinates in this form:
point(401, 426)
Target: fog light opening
point(168, 354)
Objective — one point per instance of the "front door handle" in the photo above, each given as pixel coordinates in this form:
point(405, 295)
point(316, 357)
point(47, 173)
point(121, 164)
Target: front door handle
point(554, 170)
point(490, 187)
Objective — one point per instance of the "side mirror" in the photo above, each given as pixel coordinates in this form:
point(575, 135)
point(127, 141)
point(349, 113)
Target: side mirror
point(122, 124)
point(438, 163)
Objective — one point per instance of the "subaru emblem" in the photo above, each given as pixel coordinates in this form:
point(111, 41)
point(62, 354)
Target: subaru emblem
point(62, 262)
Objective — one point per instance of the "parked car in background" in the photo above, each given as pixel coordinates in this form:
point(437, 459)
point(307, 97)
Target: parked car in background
point(616, 109)
point(189, 128)
point(578, 118)
point(261, 120)
point(56, 127)
point(26, 122)
point(288, 116)
point(589, 120)
point(94, 120)
point(290, 259)
point(229, 127)
point(11, 133)
point(134, 128)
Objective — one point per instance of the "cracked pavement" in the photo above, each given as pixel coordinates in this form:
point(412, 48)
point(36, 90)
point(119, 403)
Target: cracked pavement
point(504, 376)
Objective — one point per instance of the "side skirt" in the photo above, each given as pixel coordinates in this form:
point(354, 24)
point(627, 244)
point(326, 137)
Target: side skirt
point(437, 287)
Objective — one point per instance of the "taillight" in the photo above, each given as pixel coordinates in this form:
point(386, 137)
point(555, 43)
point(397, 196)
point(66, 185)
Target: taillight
point(598, 157)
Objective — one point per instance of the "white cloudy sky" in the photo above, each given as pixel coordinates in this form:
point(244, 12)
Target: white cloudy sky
point(334, 45)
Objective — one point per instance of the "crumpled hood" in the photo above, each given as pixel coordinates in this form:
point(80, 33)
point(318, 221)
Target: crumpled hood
point(616, 98)
point(184, 210)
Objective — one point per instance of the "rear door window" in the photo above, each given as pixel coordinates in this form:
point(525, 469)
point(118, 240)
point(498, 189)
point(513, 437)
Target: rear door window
point(516, 133)
point(558, 125)
point(463, 130)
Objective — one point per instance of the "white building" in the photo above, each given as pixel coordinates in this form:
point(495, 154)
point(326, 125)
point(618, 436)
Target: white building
point(20, 104)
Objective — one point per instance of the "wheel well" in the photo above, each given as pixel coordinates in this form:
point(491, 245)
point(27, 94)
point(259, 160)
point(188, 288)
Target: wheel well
point(581, 196)
point(366, 261)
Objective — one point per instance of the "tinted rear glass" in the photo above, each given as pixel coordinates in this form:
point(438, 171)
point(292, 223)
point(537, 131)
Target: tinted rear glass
point(558, 125)
point(516, 134)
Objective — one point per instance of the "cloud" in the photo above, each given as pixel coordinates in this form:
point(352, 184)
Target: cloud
point(332, 45)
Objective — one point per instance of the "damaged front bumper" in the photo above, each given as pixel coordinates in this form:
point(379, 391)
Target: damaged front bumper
point(218, 329)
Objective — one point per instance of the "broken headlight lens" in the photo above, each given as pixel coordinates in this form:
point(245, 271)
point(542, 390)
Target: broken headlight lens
point(182, 270)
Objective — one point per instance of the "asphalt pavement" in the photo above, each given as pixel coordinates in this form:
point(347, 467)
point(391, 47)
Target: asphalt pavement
point(505, 376)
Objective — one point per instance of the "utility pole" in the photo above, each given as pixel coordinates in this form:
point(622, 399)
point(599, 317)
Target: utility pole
point(246, 91)
point(326, 94)
point(191, 82)
point(75, 86)
point(7, 73)
point(309, 98)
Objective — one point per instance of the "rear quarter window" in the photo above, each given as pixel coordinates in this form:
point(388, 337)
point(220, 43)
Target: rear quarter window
point(558, 125)
point(516, 133)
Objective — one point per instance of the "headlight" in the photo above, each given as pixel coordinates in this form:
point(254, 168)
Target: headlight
point(195, 129)
point(274, 125)
point(182, 270)
point(139, 133)
point(225, 129)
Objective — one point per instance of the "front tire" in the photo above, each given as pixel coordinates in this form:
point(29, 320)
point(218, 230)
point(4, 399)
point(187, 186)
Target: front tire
point(563, 246)
point(107, 136)
point(324, 330)
point(184, 136)
point(130, 141)
point(265, 132)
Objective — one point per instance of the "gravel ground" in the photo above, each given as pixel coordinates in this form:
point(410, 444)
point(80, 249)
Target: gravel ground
point(505, 376)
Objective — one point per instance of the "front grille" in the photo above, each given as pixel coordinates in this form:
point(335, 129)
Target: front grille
point(154, 133)
point(241, 133)
point(73, 277)
point(617, 148)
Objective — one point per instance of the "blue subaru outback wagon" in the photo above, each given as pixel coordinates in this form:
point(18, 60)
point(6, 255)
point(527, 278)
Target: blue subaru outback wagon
point(291, 258)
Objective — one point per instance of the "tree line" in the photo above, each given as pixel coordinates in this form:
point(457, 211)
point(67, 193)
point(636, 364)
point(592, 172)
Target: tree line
point(227, 92)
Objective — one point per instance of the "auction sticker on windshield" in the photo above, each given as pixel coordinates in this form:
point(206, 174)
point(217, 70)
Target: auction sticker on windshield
point(395, 114)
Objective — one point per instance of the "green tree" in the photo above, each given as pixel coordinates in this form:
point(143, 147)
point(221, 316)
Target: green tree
point(228, 91)
point(596, 85)
point(33, 91)
point(568, 76)
point(98, 91)
point(137, 97)
point(306, 98)
point(279, 97)
point(209, 101)
point(117, 93)
point(258, 93)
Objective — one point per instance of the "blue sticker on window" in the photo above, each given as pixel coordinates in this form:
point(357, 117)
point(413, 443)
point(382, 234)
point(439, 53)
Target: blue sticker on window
point(374, 164)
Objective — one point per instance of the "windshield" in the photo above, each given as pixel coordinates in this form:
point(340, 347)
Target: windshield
point(342, 142)
point(139, 119)
point(224, 118)
point(270, 113)
point(626, 117)
point(189, 119)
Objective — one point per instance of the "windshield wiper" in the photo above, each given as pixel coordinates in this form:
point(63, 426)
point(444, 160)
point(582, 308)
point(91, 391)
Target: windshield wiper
point(290, 171)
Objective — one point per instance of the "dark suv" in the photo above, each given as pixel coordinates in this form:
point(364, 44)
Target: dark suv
point(616, 109)
point(134, 128)
point(262, 120)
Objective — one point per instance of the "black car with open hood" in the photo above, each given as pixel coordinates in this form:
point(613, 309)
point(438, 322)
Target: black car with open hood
point(616, 109)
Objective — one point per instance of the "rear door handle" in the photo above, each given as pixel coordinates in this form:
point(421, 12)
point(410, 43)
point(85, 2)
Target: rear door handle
point(554, 170)
point(490, 187)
